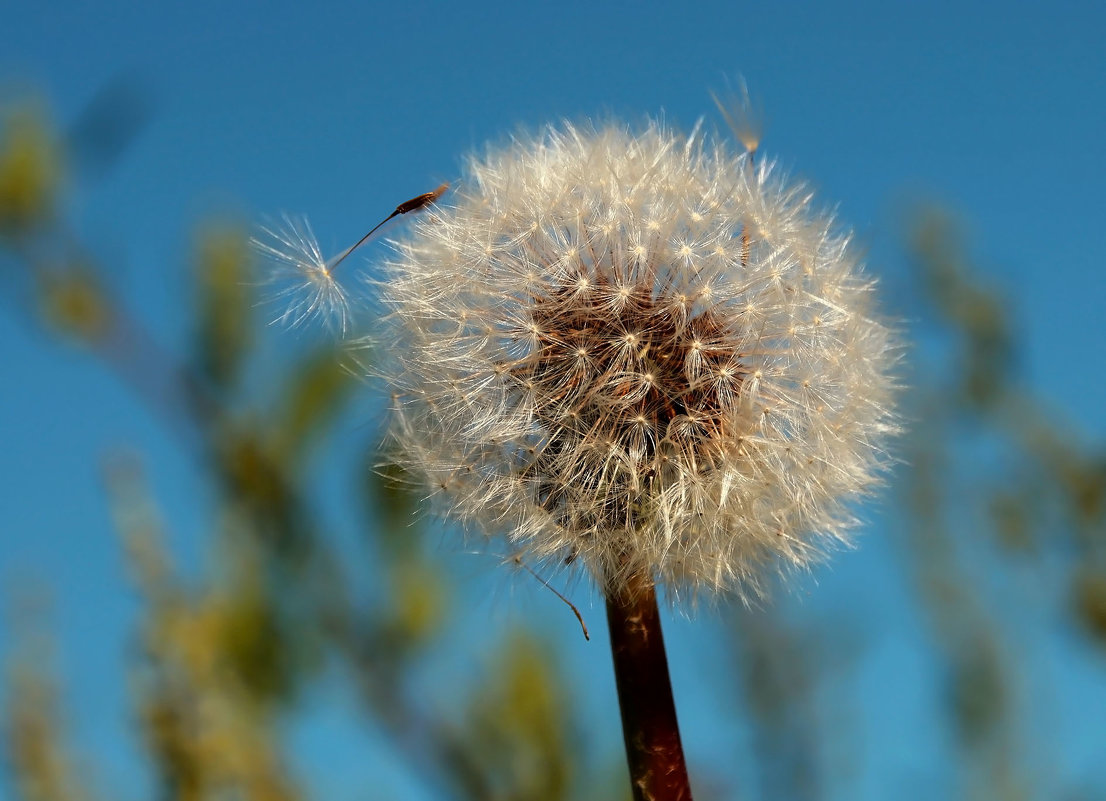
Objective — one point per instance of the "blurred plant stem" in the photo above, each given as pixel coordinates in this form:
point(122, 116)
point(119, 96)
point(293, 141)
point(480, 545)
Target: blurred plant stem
point(226, 654)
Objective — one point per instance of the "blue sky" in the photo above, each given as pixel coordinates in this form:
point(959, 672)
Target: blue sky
point(994, 110)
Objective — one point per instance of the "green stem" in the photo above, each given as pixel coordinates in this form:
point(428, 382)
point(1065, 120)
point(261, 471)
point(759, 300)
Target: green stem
point(653, 750)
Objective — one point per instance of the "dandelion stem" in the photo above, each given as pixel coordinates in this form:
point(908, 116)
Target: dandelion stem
point(653, 749)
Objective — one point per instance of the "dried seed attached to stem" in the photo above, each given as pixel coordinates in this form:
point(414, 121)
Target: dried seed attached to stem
point(406, 207)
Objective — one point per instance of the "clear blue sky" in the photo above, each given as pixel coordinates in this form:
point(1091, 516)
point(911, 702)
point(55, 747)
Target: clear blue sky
point(995, 110)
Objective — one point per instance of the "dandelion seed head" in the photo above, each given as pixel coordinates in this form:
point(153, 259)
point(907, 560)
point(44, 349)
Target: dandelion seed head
point(639, 353)
point(300, 281)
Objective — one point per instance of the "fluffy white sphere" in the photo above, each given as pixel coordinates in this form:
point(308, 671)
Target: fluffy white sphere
point(638, 352)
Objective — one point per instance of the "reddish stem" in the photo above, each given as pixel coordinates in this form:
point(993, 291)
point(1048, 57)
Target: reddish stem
point(653, 750)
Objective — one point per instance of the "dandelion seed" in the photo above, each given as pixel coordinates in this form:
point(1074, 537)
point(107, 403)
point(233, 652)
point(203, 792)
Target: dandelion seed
point(406, 207)
point(744, 117)
point(302, 280)
point(306, 288)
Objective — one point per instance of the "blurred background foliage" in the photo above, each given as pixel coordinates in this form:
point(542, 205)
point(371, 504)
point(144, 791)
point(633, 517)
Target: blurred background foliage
point(992, 483)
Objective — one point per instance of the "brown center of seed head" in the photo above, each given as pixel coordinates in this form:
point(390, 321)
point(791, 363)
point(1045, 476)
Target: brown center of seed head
point(631, 386)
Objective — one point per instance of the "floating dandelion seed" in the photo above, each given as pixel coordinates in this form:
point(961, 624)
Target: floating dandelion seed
point(306, 287)
point(303, 281)
point(640, 354)
point(744, 117)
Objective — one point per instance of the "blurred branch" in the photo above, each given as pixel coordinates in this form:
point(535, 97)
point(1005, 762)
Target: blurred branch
point(221, 661)
point(42, 765)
